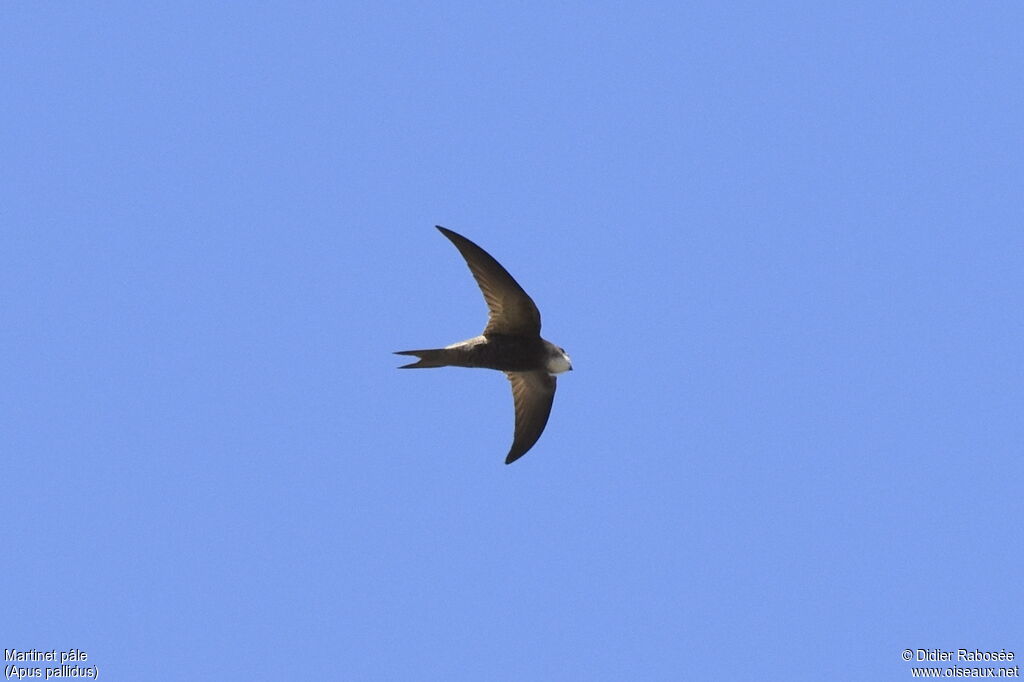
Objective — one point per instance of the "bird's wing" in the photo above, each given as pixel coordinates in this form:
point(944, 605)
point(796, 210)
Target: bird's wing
point(533, 393)
point(511, 310)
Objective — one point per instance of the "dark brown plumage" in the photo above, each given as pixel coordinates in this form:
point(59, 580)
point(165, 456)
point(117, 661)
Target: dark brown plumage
point(511, 343)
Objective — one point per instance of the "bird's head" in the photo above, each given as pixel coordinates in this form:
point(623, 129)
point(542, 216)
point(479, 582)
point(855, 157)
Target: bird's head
point(558, 360)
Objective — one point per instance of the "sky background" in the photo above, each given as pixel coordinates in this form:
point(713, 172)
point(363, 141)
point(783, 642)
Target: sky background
point(782, 243)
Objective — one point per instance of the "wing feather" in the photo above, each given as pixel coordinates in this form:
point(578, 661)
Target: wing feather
point(533, 394)
point(512, 311)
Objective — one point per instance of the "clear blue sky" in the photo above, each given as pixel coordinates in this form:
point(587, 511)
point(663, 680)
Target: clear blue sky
point(782, 242)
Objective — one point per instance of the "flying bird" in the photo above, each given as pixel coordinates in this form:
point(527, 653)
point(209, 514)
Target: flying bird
point(511, 343)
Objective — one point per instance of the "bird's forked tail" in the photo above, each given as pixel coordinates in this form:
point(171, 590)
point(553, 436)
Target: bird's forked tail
point(435, 357)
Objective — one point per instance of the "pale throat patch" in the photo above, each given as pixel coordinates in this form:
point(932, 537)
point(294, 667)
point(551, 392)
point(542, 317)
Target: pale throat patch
point(559, 363)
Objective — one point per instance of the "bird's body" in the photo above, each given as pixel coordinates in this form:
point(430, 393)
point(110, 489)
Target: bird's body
point(503, 352)
point(511, 343)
